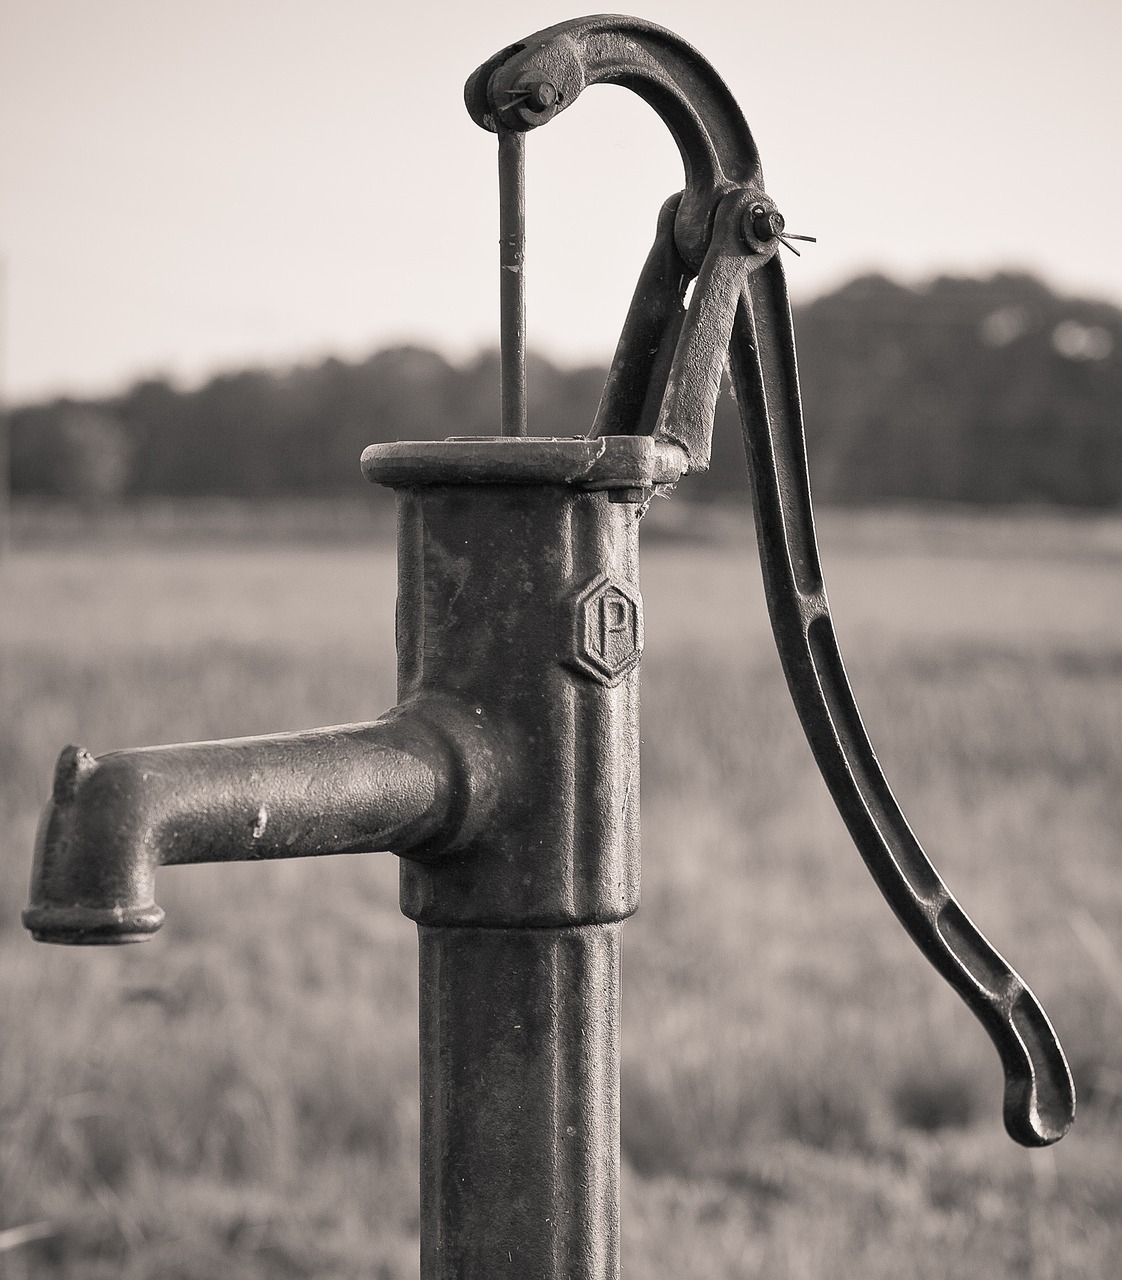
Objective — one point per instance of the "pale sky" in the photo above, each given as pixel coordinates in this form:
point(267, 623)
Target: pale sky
point(188, 187)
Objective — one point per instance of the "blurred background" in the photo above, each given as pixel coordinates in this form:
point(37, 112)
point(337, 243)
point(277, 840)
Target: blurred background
point(241, 241)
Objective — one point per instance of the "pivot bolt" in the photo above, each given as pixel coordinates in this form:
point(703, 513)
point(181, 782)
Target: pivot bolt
point(541, 95)
point(760, 224)
point(764, 223)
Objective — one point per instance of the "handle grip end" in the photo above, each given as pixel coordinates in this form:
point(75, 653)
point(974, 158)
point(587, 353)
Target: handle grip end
point(1039, 1104)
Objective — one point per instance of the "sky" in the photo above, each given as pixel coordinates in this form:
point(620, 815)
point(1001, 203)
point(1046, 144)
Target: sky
point(188, 188)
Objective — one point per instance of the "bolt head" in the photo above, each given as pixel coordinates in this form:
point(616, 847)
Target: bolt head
point(766, 223)
point(543, 95)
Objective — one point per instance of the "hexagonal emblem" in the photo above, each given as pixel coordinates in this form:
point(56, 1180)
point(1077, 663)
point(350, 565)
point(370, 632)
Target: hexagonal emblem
point(607, 630)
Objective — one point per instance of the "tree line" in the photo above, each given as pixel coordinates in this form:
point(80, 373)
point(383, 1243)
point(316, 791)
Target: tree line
point(989, 391)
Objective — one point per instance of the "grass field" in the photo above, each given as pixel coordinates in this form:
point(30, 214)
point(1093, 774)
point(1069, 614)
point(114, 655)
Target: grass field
point(802, 1097)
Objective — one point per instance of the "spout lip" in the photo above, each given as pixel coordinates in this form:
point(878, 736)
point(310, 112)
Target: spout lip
point(79, 926)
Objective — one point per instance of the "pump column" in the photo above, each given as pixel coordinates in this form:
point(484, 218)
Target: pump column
point(518, 594)
point(520, 1102)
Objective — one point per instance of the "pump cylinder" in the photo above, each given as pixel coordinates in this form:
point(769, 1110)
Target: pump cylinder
point(522, 602)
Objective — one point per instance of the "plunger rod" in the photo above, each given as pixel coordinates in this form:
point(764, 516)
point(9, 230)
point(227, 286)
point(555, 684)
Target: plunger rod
point(512, 284)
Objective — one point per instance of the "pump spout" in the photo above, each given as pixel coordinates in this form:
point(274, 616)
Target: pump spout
point(411, 782)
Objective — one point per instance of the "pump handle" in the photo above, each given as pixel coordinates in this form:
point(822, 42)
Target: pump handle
point(665, 380)
point(527, 84)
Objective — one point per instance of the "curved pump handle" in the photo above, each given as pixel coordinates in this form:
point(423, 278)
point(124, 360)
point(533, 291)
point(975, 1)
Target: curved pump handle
point(527, 84)
point(664, 382)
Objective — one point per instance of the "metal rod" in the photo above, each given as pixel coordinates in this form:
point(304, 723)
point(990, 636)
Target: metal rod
point(512, 282)
point(5, 424)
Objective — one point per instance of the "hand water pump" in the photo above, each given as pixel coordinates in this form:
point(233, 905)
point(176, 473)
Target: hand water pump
point(507, 777)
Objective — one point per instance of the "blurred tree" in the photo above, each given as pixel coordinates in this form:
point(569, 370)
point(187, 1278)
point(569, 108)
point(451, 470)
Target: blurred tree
point(72, 451)
point(974, 390)
point(967, 390)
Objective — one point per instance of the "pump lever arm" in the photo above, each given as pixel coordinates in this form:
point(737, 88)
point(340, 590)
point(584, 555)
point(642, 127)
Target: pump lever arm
point(1039, 1101)
point(740, 310)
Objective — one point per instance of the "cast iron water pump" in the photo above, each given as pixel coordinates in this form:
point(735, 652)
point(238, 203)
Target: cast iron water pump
point(507, 778)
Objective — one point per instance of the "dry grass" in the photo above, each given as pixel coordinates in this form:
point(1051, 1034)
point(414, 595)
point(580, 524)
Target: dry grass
point(802, 1097)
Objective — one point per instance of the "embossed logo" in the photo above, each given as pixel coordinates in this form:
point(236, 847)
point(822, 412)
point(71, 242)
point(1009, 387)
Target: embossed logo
point(608, 630)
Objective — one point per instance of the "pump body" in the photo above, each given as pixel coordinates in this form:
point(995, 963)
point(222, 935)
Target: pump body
point(507, 778)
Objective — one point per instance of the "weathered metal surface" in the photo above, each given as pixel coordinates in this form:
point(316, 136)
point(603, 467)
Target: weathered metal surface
point(508, 780)
point(717, 149)
point(492, 586)
point(419, 779)
point(619, 462)
point(520, 1103)
point(523, 602)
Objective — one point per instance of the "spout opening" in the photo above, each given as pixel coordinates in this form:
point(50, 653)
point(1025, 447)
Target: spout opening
point(92, 926)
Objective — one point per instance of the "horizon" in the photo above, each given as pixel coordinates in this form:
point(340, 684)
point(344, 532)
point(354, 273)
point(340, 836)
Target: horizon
point(183, 383)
